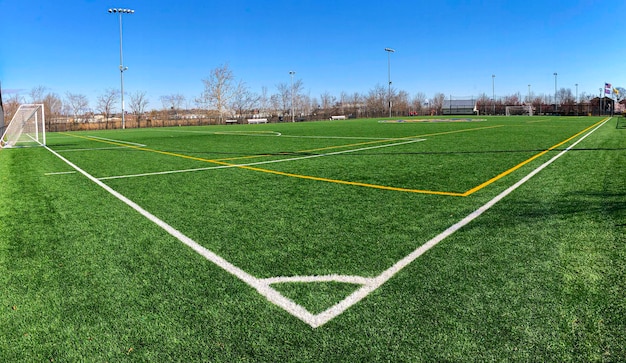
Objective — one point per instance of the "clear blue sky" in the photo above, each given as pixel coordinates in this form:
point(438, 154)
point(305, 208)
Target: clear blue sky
point(451, 47)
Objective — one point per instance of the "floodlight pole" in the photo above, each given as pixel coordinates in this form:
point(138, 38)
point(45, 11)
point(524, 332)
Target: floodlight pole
point(576, 99)
point(529, 100)
point(556, 104)
point(389, 51)
point(122, 68)
point(493, 92)
point(291, 73)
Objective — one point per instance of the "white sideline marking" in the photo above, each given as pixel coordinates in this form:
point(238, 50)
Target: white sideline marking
point(262, 287)
point(369, 284)
point(92, 149)
point(376, 282)
point(120, 141)
point(258, 162)
point(276, 133)
point(60, 173)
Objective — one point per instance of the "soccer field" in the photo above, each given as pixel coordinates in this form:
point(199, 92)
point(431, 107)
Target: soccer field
point(479, 239)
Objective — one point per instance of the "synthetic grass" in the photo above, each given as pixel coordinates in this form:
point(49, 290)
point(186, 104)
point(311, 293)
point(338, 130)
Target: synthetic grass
point(539, 277)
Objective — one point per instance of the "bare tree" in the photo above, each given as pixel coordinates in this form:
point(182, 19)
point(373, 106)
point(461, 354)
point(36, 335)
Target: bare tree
point(37, 94)
point(327, 101)
point(437, 102)
point(356, 104)
point(173, 103)
point(418, 102)
point(78, 104)
point(219, 89)
point(106, 102)
point(401, 102)
point(244, 100)
point(138, 103)
point(53, 106)
point(264, 101)
point(376, 100)
point(283, 98)
point(10, 105)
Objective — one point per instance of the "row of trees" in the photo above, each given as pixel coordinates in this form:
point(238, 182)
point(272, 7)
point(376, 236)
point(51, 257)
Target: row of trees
point(226, 97)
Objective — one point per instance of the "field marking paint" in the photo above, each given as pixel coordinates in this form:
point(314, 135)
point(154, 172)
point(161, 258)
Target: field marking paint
point(376, 282)
point(358, 280)
point(368, 284)
point(260, 285)
point(250, 166)
point(93, 149)
point(260, 162)
point(118, 141)
point(60, 173)
point(509, 171)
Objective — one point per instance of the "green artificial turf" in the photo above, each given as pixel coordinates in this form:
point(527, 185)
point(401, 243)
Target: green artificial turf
point(538, 277)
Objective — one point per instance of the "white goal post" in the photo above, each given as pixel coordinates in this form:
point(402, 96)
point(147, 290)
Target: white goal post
point(519, 110)
point(27, 127)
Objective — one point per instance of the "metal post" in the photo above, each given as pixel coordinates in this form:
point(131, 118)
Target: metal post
point(576, 99)
point(493, 92)
point(389, 51)
point(291, 73)
point(122, 68)
point(556, 104)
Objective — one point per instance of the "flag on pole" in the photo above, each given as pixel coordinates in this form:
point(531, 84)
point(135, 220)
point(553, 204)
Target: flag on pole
point(607, 91)
point(1, 113)
point(616, 91)
point(607, 85)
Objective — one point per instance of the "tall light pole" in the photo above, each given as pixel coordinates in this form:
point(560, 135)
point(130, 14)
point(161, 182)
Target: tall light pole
point(529, 100)
point(389, 51)
point(122, 68)
point(291, 73)
point(576, 99)
point(493, 92)
point(556, 104)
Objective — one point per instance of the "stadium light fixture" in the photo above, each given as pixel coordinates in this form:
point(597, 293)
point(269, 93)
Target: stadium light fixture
point(389, 51)
point(122, 67)
point(292, 73)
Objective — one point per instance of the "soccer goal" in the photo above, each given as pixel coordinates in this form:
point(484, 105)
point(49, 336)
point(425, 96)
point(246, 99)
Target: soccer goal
point(519, 110)
point(27, 127)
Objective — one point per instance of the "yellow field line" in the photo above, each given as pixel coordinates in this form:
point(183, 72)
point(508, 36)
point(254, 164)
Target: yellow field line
point(337, 181)
point(509, 171)
point(375, 186)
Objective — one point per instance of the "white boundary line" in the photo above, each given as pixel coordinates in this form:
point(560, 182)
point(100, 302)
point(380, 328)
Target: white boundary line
point(259, 162)
point(369, 284)
point(120, 141)
point(60, 173)
point(93, 149)
point(276, 133)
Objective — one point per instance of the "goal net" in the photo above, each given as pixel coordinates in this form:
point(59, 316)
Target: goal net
point(519, 110)
point(26, 128)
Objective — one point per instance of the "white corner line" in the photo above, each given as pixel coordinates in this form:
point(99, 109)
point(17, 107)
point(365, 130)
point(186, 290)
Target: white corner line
point(360, 294)
point(262, 286)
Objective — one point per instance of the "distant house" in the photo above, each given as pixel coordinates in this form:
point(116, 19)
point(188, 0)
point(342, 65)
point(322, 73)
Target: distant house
point(459, 107)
